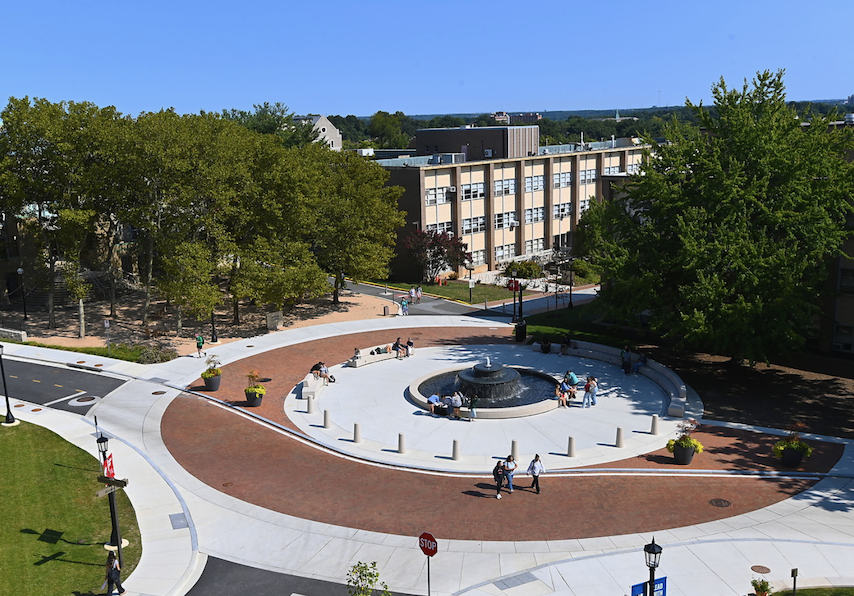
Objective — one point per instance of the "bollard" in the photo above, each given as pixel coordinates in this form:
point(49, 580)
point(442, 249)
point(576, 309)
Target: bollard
point(326, 419)
point(309, 407)
point(357, 434)
point(485, 306)
point(401, 443)
point(385, 311)
point(514, 450)
point(619, 441)
point(653, 430)
point(455, 454)
point(570, 447)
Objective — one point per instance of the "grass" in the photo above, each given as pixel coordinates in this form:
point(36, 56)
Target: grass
point(457, 290)
point(54, 530)
point(819, 592)
point(131, 353)
point(580, 323)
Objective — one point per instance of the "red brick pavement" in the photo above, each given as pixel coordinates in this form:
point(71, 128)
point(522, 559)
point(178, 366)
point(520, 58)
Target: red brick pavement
point(253, 463)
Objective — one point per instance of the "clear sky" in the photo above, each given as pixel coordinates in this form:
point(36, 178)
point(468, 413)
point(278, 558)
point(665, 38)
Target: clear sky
point(419, 57)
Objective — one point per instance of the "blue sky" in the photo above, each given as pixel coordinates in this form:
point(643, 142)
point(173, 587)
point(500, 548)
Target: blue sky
point(357, 57)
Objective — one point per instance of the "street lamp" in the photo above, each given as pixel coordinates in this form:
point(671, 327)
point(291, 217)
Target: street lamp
point(10, 419)
point(652, 554)
point(23, 291)
point(513, 276)
point(115, 534)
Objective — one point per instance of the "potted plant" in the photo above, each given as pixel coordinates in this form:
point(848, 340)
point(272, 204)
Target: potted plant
point(761, 587)
point(685, 446)
point(793, 449)
point(213, 375)
point(254, 391)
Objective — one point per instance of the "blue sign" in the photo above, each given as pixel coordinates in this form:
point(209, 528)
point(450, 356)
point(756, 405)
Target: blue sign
point(660, 587)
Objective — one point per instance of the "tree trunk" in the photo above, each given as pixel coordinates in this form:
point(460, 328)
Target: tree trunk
point(81, 318)
point(51, 292)
point(235, 303)
point(180, 320)
point(148, 275)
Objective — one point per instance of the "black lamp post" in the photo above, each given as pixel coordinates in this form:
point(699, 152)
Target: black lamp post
point(23, 291)
point(116, 534)
point(652, 554)
point(513, 276)
point(10, 419)
point(214, 338)
point(571, 280)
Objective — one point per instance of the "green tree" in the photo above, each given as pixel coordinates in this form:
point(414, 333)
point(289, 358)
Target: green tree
point(274, 119)
point(725, 237)
point(435, 252)
point(364, 580)
point(386, 129)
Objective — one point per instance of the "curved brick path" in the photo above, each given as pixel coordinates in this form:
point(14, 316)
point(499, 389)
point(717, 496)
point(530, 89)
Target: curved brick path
point(258, 465)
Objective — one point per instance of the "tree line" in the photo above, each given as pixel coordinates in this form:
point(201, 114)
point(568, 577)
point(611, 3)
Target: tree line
point(239, 204)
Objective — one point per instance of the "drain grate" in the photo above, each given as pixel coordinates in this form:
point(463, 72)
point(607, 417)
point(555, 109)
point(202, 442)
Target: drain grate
point(719, 503)
point(760, 569)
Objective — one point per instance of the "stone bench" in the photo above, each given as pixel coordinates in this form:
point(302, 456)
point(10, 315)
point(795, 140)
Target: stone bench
point(368, 358)
point(312, 386)
point(15, 334)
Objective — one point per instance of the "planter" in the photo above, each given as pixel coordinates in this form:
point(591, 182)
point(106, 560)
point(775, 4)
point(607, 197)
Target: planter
point(253, 398)
point(212, 384)
point(683, 455)
point(792, 458)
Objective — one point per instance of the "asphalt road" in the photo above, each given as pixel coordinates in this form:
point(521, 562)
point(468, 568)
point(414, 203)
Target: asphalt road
point(57, 387)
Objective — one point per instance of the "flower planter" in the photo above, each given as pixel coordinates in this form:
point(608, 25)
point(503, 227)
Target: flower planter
point(253, 398)
point(212, 384)
point(792, 458)
point(683, 455)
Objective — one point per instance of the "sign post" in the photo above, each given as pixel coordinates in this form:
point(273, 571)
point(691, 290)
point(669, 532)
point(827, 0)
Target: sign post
point(660, 588)
point(428, 547)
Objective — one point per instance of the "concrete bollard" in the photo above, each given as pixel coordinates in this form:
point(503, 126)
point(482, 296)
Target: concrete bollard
point(401, 443)
point(326, 419)
point(385, 311)
point(514, 450)
point(653, 430)
point(455, 454)
point(357, 434)
point(570, 447)
point(309, 407)
point(619, 441)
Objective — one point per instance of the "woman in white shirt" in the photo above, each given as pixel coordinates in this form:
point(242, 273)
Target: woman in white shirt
point(509, 470)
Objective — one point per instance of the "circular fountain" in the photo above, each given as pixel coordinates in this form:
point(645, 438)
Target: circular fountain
point(490, 382)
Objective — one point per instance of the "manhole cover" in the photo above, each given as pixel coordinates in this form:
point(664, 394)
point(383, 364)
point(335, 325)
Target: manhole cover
point(760, 569)
point(36, 410)
point(719, 503)
point(158, 393)
point(250, 346)
point(228, 484)
point(81, 362)
point(84, 399)
point(99, 365)
point(18, 406)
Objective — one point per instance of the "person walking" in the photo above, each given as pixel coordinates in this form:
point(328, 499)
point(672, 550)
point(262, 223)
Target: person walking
point(472, 404)
point(535, 468)
point(498, 474)
point(200, 342)
point(585, 401)
point(113, 577)
point(509, 470)
point(418, 295)
point(594, 388)
point(404, 305)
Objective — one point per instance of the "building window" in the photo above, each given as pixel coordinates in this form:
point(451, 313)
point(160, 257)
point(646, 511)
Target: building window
point(843, 340)
point(478, 257)
point(505, 187)
point(846, 281)
point(534, 246)
point(505, 220)
point(438, 196)
point(473, 191)
point(633, 168)
point(611, 170)
point(535, 214)
point(562, 180)
point(475, 224)
point(562, 210)
point(583, 205)
point(505, 253)
point(587, 176)
point(533, 183)
point(444, 226)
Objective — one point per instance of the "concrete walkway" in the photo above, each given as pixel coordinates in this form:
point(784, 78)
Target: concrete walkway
point(183, 520)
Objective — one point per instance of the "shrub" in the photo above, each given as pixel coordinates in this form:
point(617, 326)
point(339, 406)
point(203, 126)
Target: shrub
point(524, 269)
point(154, 354)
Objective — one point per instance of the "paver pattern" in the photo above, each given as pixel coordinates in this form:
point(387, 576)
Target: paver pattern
point(259, 465)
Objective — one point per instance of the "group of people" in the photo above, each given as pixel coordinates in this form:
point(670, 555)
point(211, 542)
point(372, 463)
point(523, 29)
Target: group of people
point(414, 298)
point(450, 405)
point(567, 389)
point(403, 350)
point(321, 371)
point(629, 367)
point(504, 471)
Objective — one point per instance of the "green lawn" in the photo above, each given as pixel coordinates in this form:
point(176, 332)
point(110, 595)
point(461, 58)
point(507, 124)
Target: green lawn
point(819, 592)
point(54, 527)
point(580, 323)
point(457, 290)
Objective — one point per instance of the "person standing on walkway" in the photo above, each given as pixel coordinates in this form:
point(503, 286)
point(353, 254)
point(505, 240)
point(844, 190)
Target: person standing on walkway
point(410, 347)
point(498, 474)
point(594, 388)
point(200, 342)
point(585, 401)
point(114, 577)
point(418, 294)
point(472, 404)
point(412, 294)
point(535, 468)
point(509, 470)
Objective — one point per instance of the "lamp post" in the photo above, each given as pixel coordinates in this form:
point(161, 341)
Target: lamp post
point(116, 534)
point(521, 316)
point(513, 276)
point(214, 338)
point(571, 280)
point(23, 291)
point(10, 419)
point(652, 554)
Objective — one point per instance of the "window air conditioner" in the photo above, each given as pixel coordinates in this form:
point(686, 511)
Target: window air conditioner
point(452, 189)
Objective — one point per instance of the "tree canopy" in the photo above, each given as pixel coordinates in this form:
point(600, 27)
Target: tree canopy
point(724, 238)
point(435, 252)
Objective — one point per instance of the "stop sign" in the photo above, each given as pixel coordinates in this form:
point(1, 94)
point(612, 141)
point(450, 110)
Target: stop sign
point(428, 544)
